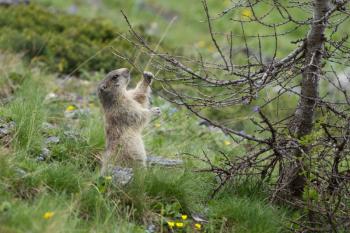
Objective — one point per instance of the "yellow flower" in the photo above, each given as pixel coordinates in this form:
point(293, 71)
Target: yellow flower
point(227, 143)
point(179, 224)
point(198, 226)
point(48, 215)
point(70, 108)
point(200, 44)
point(171, 224)
point(211, 49)
point(184, 217)
point(157, 125)
point(246, 13)
point(108, 178)
point(61, 65)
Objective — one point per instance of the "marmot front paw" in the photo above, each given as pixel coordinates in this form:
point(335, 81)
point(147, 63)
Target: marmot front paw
point(148, 76)
point(156, 111)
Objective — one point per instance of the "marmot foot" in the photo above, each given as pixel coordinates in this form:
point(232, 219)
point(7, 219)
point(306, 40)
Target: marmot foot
point(156, 111)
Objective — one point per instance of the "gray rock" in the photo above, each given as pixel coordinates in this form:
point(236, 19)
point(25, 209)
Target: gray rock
point(45, 153)
point(72, 134)
point(51, 96)
point(12, 124)
point(21, 172)
point(6, 128)
point(40, 158)
point(199, 218)
point(52, 140)
point(156, 160)
point(151, 228)
point(13, 2)
point(48, 126)
point(4, 131)
point(122, 175)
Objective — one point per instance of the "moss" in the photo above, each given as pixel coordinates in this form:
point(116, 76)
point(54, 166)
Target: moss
point(62, 42)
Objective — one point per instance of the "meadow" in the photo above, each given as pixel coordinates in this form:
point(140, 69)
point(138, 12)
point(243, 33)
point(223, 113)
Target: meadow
point(52, 55)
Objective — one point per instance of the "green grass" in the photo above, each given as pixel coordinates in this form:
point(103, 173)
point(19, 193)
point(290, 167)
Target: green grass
point(28, 113)
point(189, 33)
point(67, 183)
point(245, 215)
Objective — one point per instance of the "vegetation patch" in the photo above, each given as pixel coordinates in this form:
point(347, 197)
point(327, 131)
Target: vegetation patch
point(62, 42)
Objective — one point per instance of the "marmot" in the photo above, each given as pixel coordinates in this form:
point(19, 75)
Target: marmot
point(126, 113)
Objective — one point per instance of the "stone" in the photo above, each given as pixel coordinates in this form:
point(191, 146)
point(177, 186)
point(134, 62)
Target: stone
point(47, 126)
point(151, 228)
point(6, 128)
point(156, 160)
point(71, 134)
point(122, 175)
point(199, 218)
point(45, 153)
point(52, 140)
point(20, 172)
point(13, 2)
point(51, 96)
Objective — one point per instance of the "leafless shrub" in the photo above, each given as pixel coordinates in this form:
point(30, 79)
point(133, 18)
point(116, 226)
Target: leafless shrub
point(302, 151)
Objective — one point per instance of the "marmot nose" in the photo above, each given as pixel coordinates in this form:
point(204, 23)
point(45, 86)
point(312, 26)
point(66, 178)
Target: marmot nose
point(103, 87)
point(124, 71)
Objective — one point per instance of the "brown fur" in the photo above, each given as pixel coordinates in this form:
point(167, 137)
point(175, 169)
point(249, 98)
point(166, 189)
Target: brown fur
point(127, 112)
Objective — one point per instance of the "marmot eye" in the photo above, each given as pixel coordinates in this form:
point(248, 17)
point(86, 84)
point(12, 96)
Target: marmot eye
point(115, 77)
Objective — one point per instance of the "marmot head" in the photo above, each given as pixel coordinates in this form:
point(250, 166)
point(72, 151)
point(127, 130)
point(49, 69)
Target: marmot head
point(114, 85)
